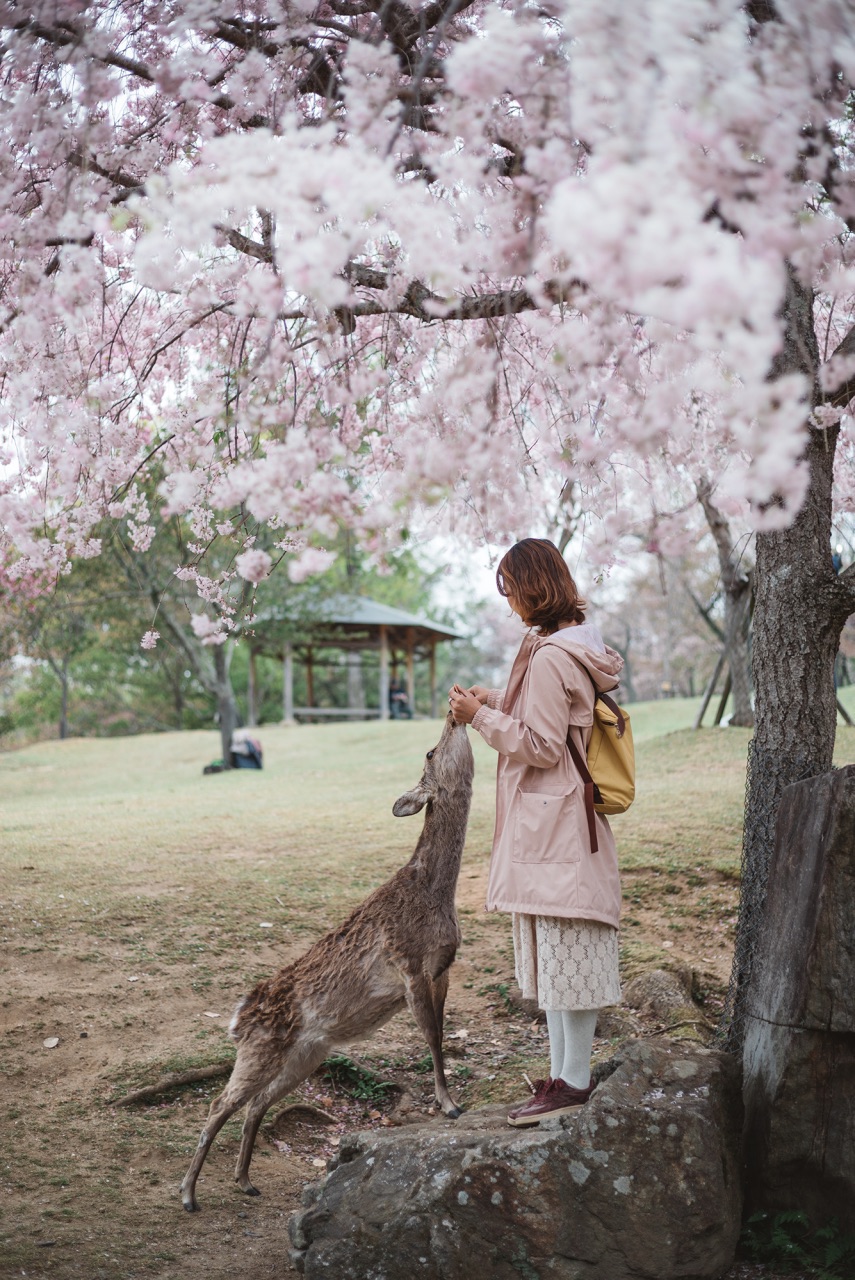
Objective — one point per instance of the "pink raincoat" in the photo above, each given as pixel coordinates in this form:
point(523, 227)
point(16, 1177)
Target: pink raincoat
point(542, 862)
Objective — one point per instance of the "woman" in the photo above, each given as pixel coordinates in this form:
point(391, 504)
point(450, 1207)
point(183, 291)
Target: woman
point(564, 898)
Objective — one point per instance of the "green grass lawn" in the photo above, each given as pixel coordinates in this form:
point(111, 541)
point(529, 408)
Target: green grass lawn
point(86, 807)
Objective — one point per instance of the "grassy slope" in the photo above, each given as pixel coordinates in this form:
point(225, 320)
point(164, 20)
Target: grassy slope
point(87, 806)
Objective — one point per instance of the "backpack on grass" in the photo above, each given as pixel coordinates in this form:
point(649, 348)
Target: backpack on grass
point(609, 771)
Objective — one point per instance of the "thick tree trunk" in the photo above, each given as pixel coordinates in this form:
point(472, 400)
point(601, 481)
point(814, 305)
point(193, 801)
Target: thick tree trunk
point(800, 610)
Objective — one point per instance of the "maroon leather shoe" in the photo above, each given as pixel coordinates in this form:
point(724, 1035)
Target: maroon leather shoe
point(539, 1087)
point(556, 1098)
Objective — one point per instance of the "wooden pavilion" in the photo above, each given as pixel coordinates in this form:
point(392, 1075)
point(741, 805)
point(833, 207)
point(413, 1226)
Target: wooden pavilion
point(354, 625)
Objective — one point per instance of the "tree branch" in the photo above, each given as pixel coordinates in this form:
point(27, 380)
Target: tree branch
point(840, 395)
point(243, 244)
point(64, 34)
point(733, 579)
point(705, 612)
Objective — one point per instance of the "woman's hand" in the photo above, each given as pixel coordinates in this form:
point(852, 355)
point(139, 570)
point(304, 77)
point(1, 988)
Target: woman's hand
point(480, 693)
point(464, 704)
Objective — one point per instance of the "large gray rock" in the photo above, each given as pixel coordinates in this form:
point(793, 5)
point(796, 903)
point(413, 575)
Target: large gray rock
point(799, 1048)
point(640, 1184)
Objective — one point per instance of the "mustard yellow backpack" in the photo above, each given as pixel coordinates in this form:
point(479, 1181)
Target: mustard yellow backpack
point(609, 771)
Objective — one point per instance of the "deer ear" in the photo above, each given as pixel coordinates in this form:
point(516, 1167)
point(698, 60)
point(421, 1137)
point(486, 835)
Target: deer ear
point(410, 802)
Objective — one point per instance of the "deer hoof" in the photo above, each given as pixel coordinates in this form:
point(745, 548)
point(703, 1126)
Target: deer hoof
point(250, 1190)
point(191, 1206)
point(454, 1113)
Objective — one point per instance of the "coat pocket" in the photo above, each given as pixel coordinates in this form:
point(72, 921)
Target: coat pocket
point(546, 827)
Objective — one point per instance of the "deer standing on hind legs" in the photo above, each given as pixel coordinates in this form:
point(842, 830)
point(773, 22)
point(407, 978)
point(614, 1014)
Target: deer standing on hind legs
point(394, 950)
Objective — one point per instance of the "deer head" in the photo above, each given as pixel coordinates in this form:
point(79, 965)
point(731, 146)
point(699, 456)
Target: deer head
point(449, 767)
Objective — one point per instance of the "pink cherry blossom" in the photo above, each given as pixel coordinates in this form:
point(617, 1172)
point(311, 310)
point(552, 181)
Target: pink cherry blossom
point(253, 565)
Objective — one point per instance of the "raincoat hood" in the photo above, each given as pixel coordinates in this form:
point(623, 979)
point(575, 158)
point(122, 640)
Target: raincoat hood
point(603, 665)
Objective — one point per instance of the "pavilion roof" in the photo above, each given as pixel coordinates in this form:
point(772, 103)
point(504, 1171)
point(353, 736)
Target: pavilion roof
point(350, 616)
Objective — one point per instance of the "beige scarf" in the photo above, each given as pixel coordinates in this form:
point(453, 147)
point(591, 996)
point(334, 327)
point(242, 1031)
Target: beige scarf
point(518, 670)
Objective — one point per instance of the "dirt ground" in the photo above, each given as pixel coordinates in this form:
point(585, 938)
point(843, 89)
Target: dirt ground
point(90, 1188)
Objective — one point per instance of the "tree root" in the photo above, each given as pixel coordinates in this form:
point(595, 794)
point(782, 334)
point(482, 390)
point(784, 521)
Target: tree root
point(174, 1080)
point(306, 1106)
point(672, 1026)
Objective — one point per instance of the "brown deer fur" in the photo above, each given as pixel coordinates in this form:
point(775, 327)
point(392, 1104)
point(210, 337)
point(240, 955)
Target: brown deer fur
point(394, 950)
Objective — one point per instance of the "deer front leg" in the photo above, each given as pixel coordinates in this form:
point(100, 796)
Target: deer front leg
point(423, 1006)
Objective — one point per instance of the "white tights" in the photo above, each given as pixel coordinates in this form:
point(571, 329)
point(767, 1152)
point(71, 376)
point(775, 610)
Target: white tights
point(571, 1041)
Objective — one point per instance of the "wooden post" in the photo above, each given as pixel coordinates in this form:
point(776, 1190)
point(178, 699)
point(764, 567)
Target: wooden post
point(310, 680)
point(288, 685)
point(384, 673)
point(411, 675)
point(434, 708)
point(710, 690)
point(724, 697)
point(251, 686)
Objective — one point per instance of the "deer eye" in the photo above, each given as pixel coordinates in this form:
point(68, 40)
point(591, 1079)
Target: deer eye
point(430, 755)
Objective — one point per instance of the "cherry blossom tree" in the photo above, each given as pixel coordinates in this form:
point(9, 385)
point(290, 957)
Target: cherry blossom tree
point(353, 261)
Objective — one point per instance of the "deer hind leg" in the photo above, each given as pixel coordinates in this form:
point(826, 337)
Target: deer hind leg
point(299, 1066)
point(439, 990)
point(256, 1065)
point(233, 1097)
point(426, 1007)
point(255, 1113)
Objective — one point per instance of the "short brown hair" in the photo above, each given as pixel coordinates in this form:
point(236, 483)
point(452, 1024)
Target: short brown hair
point(535, 574)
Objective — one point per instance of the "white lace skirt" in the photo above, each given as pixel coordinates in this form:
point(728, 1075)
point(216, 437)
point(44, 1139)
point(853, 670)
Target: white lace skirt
point(566, 964)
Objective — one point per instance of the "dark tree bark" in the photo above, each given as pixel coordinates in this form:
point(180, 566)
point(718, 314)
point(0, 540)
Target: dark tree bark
point(626, 681)
point(227, 712)
point(62, 672)
point(737, 586)
point(801, 607)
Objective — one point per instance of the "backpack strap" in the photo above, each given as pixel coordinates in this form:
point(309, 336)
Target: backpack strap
point(614, 708)
point(592, 791)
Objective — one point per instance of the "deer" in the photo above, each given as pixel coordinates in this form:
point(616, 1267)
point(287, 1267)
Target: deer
point(393, 951)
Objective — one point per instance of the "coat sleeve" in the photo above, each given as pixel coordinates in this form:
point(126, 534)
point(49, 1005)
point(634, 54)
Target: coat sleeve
point(495, 698)
point(539, 739)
